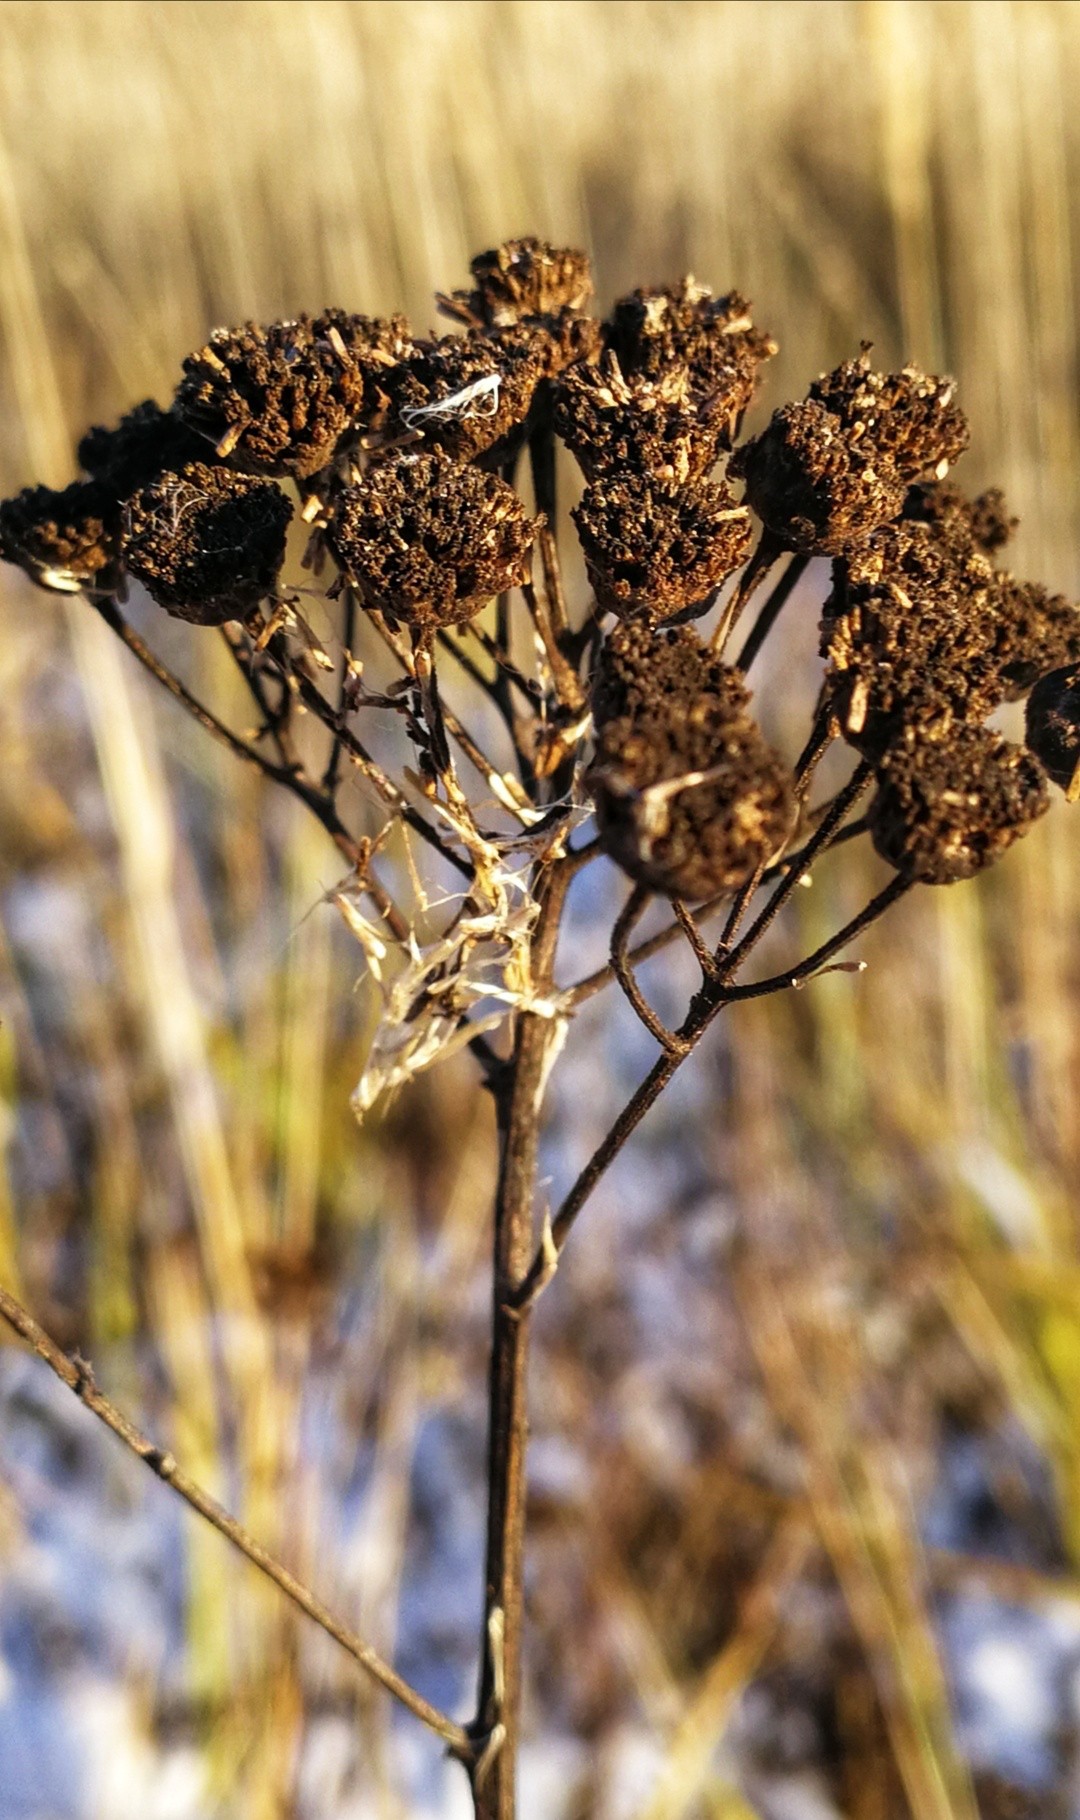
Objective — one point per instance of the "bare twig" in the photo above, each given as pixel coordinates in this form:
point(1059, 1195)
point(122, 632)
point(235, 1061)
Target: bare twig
point(78, 1377)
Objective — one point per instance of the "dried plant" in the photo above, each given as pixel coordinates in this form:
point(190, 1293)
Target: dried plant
point(403, 455)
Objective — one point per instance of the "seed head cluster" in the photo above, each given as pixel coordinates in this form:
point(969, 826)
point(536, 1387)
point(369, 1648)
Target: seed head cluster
point(1053, 727)
point(398, 451)
point(825, 473)
point(945, 809)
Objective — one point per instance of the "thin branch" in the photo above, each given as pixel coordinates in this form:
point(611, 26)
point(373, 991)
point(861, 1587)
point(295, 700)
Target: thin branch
point(817, 962)
point(766, 554)
point(714, 995)
point(78, 1377)
point(348, 639)
point(630, 914)
point(586, 988)
point(294, 780)
point(842, 804)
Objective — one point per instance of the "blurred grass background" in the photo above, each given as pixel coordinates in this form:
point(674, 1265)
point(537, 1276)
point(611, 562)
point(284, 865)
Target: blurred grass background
point(861, 1220)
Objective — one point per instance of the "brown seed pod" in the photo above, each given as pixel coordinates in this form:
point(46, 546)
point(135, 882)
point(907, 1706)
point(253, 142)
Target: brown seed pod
point(431, 542)
point(279, 399)
point(64, 541)
point(690, 800)
point(1040, 633)
point(982, 524)
point(945, 809)
point(659, 550)
point(816, 491)
point(907, 416)
point(651, 428)
point(685, 325)
point(145, 443)
point(470, 394)
point(1053, 727)
point(522, 278)
point(913, 637)
point(207, 544)
point(824, 474)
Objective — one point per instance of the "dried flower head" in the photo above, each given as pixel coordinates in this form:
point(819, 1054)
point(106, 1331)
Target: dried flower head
point(945, 809)
point(522, 278)
point(431, 542)
point(690, 799)
point(655, 428)
point(1053, 727)
point(64, 541)
point(983, 524)
point(279, 399)
point(685, 325)
point(659, 550)
point(145, 443)
point(908, 416)
point(912, 634)
point(824, 474)
point(1040, 633)
point(817, 492)
point(206, 543)
point(471, 394)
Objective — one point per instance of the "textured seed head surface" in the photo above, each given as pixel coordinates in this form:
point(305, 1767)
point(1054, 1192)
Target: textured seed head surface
point(526, 277)
point(145, 442)
point(62, 540)
point(913, 638)
point(654, 429)
point(690, 799)
point(279, 399)
point(206, 543)
point(945, 809)
point(1053, 726)
point(429, 541)
point(658, 550)
point(715, 338)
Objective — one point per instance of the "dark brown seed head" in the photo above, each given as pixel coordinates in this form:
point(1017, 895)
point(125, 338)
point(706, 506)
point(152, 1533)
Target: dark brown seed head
point(912, 634)
point(145, 443)
point(467, 394)
point(64, 541)
point(657, 429)
point(1040, 633)
point(523, 278)
point(431, 542)
point(908, 416)
point(819, 493)
point(658, 550)
point(945, 809)
point(689, 798)
point(685, 325)
point(982, 524)
point(206, 543)
point(1053, 727)
point(825, 473)
point(279, 399)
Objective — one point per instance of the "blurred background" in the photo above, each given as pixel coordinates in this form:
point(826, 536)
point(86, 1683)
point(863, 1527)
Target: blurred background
point(805, 1506)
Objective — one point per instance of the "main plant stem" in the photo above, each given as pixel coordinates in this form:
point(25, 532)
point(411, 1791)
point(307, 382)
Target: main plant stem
point(518, 1099)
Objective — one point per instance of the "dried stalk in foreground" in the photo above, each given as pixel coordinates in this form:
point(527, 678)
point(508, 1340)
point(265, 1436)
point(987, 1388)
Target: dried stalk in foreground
point(402, 454)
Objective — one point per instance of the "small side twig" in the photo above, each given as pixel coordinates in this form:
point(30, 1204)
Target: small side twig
point(78, 1377)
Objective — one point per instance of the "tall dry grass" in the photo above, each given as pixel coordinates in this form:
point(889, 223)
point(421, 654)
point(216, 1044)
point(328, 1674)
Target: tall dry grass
point(186, 1193)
